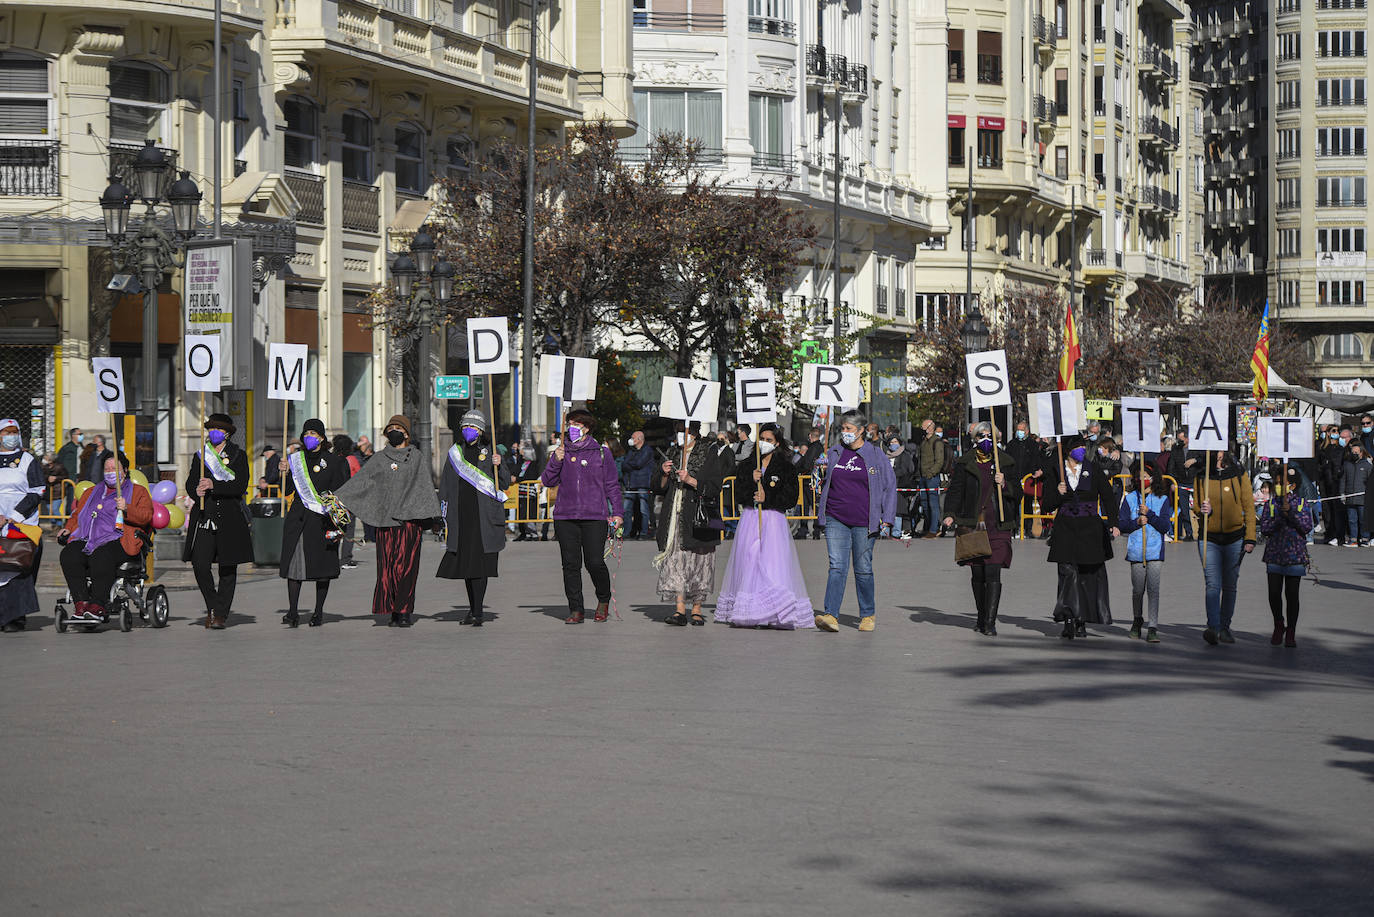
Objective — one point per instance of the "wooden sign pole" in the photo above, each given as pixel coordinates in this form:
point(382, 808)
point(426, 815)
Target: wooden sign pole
point(997, 466)
point(1206, 496)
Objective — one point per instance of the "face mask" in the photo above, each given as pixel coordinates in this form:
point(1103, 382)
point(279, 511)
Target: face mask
point(1077, 453)
point(1367, 429)
point(311, 442)
point(1102, 452)
point(849, 438)
point(528, 454)
point(939, 434)
point(1092, 437)
point(894, 447)
point(1335, 436)
point(574, 434)
point(682, 439)
point(1020, 434)
point(766, 447)
point(395, 437)
point(217, 437)
point(470, 434)
point(985, 445)
point(81, 437)
point(111, 478)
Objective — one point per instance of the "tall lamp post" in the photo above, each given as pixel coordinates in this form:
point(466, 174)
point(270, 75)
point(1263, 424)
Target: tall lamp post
point(153, 250)
point(974, 336)
point(421, 280)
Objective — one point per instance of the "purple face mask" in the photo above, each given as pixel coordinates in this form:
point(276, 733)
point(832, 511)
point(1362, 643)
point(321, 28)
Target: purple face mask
point(311, 442)
point(1077, 453)
point(985, 446)
point(216, 437)
point(470, 434)
point(574, 434)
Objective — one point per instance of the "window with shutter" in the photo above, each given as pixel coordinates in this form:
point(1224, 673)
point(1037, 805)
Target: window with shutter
point(25, 100)
point(140, 96)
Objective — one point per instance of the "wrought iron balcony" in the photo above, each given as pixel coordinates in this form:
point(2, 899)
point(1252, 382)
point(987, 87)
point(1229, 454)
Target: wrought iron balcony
point(767, 25)
point(309, 191)
point(28, 168)
point(816, 61)
point(680, 22)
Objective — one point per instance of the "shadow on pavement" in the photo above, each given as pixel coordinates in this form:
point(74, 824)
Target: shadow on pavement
point(1359, 746)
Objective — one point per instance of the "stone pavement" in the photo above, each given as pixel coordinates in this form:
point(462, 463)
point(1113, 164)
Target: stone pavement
point(627, 768)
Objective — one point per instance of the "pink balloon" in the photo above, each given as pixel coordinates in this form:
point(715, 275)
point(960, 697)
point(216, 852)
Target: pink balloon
point(160, 516)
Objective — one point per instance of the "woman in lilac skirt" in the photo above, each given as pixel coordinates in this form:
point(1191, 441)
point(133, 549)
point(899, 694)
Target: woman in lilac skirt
point(763, 584)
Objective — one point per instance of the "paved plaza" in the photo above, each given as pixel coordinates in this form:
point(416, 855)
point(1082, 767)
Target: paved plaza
point(628, 768)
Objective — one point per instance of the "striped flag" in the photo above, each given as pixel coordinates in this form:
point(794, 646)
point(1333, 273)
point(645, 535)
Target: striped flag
point(1072, 353)
point(1259, 360)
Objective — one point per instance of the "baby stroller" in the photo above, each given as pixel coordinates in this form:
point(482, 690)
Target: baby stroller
point(127, 596)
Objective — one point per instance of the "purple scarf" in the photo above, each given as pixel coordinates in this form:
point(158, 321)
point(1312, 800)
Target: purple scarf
point(96, 522)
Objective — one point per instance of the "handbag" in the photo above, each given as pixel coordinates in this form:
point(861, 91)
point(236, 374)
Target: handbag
point(17, 553)
point(971, 543)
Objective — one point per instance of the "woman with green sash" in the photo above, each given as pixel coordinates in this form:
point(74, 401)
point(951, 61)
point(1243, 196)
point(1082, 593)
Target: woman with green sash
point(313, 526)
point(472, 496)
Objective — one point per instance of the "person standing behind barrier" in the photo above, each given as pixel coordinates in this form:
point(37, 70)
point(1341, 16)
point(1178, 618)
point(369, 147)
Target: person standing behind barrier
point(1286, 522)
point(218, 534)
point(69, 457)
point(639, 476)
point(975, 488)
point(1229, 506)
point(394, 493)
point(1079, 495)
point(908, 495)
point(94, 461)
point(1025, 450)
point(690, 533)
point(858, 503)
point(931, 461)
point(1145, 528)
point(527, 502)
point(806, 468)
point(589, 494)
point(53, 475)
point(1354, 480)
point(1331, 458)
point(1183, 468)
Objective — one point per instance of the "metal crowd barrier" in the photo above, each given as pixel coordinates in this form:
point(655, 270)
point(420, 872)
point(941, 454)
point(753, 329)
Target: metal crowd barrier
point(1044, 517)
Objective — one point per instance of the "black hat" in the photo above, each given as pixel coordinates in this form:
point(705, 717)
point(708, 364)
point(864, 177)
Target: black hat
point(223, 422)
point(313, 424)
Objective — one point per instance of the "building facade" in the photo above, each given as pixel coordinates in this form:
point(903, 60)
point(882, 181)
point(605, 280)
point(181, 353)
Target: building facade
point(1319, 135)
point(340, 119)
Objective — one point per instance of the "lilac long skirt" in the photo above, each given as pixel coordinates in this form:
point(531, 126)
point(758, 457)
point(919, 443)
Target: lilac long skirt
point(763, 584)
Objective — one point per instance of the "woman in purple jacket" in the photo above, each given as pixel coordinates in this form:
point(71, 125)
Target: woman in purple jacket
point(589, 500)
point(1285, 522)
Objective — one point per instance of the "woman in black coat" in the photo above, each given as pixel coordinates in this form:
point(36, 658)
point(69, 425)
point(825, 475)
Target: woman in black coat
point(310, 537)
point(1079, 494)
point(686, 561)
point(219, 532)
point(971, 503)
point(473, 502)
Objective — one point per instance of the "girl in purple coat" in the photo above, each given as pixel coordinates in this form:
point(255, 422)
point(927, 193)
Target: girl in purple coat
point(1285, 522)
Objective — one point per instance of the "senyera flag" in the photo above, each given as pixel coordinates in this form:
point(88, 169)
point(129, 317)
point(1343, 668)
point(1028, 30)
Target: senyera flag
point(1259, 360)
point(1068, 361)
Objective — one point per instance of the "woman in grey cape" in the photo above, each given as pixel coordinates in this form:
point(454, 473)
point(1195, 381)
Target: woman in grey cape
point(394, 493)
point(472, 494)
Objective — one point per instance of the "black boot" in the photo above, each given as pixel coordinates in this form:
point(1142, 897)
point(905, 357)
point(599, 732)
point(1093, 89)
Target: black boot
point(292, 618)
point(317, 619)
point(474, 618)
point(981, 603)
point(993, 597)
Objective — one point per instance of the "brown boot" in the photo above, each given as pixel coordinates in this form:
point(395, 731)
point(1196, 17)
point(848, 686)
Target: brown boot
point(574, 617)
point(216, 622)
point(603, 611)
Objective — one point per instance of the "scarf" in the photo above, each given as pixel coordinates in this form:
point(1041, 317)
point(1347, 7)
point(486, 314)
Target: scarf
point(215, 463)
point(473, 475)
point(305, 486)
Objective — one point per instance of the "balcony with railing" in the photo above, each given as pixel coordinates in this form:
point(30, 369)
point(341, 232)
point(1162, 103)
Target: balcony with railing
point(1157, 267)
point(990, 69)
point(28, 168)
point(855, 84)
point(360, 209)
point(122, 157)
point(772, 26)
point(1044, 110)
point(1043, 31)
point(1340, 4)
point(1346, 201)
point(1099, 35)
point(1100, 108)
point(1331, 151)
point(1351, 102)
point(1154, 61)
point(816, 69)
point(309, 191)
point(773, 162)
point(679, 21)
point(1156, 130)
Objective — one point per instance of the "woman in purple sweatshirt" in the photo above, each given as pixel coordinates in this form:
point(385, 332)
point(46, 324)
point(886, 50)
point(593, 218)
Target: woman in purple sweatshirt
point(589, 501)
point(1285, 522)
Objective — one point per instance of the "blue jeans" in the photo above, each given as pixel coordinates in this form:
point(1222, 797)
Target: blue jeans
point(1354, 522)
point(1221, 572)
point(645, 508)
point(842, 542)
point(930, 502)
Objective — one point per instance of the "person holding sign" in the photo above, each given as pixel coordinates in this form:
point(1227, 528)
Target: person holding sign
point(763, 585)
point(975, 488)
point(314, 525)
point(690, 526)
point(472, 500)
point(589, 504)
point(21, 494)
point(1141, 512)
point(1285, 522)
point(394, 494)
point(111, 524)
point(1228, 508)
point(858, 503)
point(1079, 494)
point(218, 531)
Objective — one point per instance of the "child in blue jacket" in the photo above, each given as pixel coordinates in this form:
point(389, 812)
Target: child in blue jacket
point(1146, 527)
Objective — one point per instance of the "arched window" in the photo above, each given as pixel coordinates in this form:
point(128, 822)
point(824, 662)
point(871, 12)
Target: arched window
point(302, 134)
point(140, 99)
point(410, 166)
point(1343, 347)
point(357, 147)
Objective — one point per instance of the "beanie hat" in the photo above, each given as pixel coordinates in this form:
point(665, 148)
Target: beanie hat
point(223, 422)
point(398, 420)
point(313, 425)
point(474, 419)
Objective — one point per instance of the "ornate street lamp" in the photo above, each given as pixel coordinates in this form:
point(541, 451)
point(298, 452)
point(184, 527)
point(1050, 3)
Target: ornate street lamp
point(403, 270)
point(114, 203)
point(443, 280)
point(974, 333)
point(420, 280)
point(149, 167)
point(185, 199)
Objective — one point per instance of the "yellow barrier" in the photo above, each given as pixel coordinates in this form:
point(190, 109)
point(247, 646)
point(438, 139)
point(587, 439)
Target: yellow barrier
point(66, 488)
point(804, 491)
point(523, 497)
point(1124, 477)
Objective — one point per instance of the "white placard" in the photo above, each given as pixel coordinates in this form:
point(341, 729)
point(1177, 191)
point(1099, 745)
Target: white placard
point(1209, 423)
point(218, 278)
point(689, 399)
point(488, 346)
point(1141, 424)
point(109, 384)
point(569, 378)
point(286, 371)
point(988, 382)
point(202, 362)
point(1285, 437)
point(756, 395)
point(836, 386)
point(1057, 414)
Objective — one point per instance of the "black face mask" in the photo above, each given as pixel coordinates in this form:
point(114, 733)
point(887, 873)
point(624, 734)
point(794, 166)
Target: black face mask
point(395, 437)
